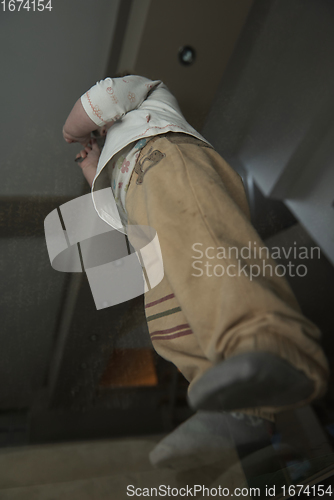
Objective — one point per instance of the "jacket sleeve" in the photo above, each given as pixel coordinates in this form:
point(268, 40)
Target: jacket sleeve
point(112, 98)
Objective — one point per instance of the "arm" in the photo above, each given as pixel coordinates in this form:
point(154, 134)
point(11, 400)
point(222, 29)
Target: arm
point(90, 160)
point(112, 98)
point(78, 125)
point(104, 104)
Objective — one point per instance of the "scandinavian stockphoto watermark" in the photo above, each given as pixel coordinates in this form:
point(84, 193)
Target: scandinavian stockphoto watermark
point(251, 261)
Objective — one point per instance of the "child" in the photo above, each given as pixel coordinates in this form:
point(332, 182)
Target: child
point(238, 338)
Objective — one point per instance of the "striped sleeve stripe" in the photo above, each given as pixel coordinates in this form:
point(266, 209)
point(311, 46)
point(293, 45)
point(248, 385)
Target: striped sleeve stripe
point(172, 336)
point(171, 330)
point(164, 313)
point(167, 297)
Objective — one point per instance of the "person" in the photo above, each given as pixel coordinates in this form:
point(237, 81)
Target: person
point(221, 314)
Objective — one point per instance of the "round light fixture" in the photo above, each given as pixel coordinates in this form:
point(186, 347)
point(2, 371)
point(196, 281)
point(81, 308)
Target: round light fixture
point(187, 55)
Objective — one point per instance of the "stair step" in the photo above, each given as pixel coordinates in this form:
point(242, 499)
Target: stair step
point(37, 465)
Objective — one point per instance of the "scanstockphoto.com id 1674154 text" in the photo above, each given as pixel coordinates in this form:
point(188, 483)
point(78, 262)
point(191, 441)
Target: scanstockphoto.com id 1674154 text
point(251, 260)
